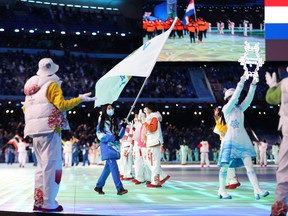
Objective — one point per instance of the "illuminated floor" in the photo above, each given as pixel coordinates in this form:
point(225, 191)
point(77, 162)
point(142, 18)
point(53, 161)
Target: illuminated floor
point(215, 47)
point(191, 190)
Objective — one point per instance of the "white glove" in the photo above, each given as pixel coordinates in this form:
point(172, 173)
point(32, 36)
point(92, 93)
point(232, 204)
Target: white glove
point(271, 80)
point(244, 77)
point(255, 79)
point(85, 97)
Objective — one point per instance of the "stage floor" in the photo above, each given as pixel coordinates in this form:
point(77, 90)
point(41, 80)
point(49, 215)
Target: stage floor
point(191, 190)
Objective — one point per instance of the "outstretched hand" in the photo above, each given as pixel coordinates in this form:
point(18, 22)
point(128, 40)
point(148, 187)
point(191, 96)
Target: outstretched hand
point(255, 79)
point(271, 80)
point(85, 97)
point(244, 77)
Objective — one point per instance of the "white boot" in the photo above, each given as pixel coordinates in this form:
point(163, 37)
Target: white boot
point(222, 193)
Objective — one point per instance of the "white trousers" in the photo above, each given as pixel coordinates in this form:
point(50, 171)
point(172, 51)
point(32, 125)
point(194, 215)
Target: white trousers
point(263, 158)
point(142, 172)
point(68, 159)
point(154, 157)
point(22, 156)
point(127, 162)
point(48, 173)
point(205, 158)
point(184, 153)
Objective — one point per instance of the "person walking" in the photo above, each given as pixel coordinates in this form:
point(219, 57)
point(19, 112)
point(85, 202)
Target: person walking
point(108, 133)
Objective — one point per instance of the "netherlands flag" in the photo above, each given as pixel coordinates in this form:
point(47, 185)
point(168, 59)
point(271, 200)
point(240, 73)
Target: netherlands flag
point(276, 30)
point(189, 12)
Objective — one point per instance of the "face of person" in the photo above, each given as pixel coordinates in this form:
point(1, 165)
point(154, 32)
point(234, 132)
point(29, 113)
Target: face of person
point(147, 110)
point(110, 110)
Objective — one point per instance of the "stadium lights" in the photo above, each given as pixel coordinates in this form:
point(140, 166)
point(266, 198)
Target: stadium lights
point(16, 30)
point(47, 3)
point(123, 34)
point(77, 33)
point(31, 31)
point(47, 32)
point(77, 6)
point(166, 106)
point(100, 8)
point(94, 33)
point(108, 8)
point(115, 9)
point(63, 32)
point(2, 29)
point(108, 34)
point(69, 5)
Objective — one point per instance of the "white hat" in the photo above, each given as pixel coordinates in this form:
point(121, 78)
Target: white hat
point(47, 67)
point(228, 93)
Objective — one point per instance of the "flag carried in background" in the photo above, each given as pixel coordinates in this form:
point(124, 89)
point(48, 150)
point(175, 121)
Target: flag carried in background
point(189, 12)
point(139, 63)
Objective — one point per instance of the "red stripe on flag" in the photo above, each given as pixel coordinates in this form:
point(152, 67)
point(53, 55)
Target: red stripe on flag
point(276, 3)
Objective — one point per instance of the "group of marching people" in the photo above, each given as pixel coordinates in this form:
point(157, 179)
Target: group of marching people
point(194, 28)
point(139, 144)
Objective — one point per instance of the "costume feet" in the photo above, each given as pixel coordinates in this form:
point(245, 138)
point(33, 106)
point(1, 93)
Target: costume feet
point(153, 186)
point(58, 209)
point(99, 190)
point(259, 195)
point(164, 180)
point(279, 208)
point(222, 194)
point(122, 191)
point(232, 186)
point(37, 208)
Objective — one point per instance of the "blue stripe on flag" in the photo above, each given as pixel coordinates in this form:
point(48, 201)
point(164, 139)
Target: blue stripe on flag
point(276, 31)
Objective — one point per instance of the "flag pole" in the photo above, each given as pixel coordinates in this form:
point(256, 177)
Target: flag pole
point(195, 12)
point(137, 97)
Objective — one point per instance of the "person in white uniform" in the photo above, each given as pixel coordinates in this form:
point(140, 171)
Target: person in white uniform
point(204, 150)
point(44, 109)
point(22, 153)
point(154, 141)
point(263, 152)
point(237, 148)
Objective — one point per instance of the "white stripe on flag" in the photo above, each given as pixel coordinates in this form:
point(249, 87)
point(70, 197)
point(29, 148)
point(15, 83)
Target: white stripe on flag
point(276, 15)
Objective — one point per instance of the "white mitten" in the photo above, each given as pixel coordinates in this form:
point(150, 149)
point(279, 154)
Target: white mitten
point(255, 79)
point(271, 80)
point(85, 97)
point(244, 77)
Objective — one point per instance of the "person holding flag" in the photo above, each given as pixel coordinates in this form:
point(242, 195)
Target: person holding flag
point(190, 11)
point(108, 133)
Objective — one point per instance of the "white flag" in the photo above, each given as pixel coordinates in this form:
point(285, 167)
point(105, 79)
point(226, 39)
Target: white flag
point(139, 63)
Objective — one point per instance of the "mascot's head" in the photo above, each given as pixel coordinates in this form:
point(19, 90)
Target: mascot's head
point(47, 67)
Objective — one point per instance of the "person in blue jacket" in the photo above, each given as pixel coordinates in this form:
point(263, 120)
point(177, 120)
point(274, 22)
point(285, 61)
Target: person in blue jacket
point(107, 132)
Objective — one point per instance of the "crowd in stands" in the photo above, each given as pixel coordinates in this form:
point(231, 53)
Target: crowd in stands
point(57, 19)
point(79, 74)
